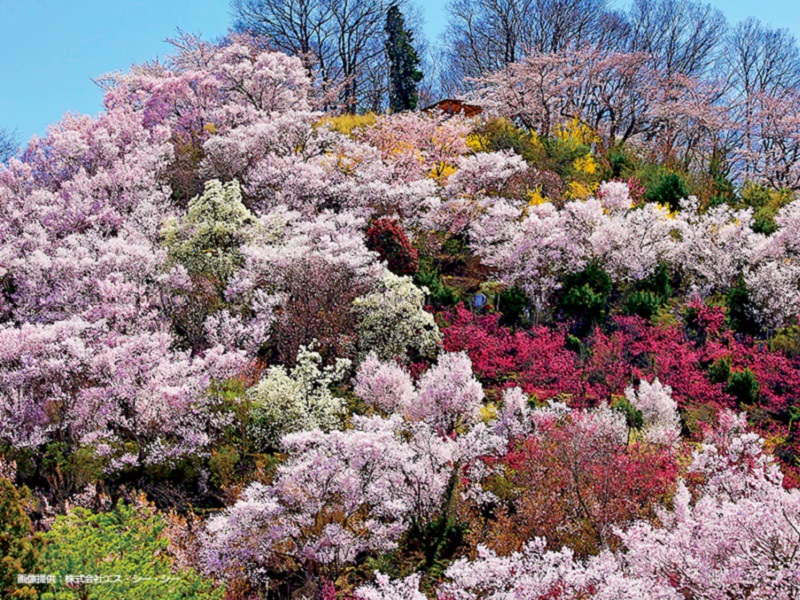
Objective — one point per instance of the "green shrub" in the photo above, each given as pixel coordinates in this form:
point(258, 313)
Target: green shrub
point(633, 417)
point(657, 282)
point(668, 189)
point(787, 340)
point(743, 386)
point(128, 543)
point(720, 371)
point(622, 163)
point(500, 134)
point(738, 316)
point(585, 294)
point(574, 343)
point(222, 466)
point(512, 306)
point(765, 204)
point(643, 303)
point(650, 294)
point(20, 548)
point(439, 293)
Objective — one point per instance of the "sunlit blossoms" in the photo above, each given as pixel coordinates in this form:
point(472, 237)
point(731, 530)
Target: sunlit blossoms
point(537, 341)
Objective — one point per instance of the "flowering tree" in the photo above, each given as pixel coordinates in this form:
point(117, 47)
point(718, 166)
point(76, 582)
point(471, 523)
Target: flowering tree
point(393, 322)
point(388, 239)
point(447, 396)
point(284, 402)
point(340, 496)
point(575, 479)
point(659, 411)
point(208, 239)
point(737, 534)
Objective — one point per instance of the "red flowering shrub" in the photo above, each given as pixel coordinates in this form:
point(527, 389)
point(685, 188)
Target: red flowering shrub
point(387, 238)
point(699, 361)
point(573, 483)
point(537, 361)
point(636, 350)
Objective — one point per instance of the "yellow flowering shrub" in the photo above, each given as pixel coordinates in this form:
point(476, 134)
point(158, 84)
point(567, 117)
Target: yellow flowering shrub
point(347, 123)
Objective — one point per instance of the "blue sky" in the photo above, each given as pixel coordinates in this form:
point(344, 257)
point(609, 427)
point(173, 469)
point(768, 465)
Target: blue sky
point(53, 48)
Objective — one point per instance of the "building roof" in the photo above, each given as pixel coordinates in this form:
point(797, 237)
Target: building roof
point(453, 106)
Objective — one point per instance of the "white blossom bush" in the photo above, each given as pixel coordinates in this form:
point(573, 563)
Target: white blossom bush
point(661, 421)
point(385, 386)
point(207, 240)
point(393, 321)
point(615, 195)
point(774, 293)
point(285, 401)
point(385, 588)
point(340, 494)
point(514, 418)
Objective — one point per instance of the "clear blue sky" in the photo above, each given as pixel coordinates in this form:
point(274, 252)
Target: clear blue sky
point(53, 48)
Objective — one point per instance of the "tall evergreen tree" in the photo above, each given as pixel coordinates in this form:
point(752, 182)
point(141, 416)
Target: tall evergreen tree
point(404, 73)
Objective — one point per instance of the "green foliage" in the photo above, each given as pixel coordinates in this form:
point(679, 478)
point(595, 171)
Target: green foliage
point(621, 163)
point(657, 282)
point(643, 303)
point(20, 548)
point(743, 386)
point(439, 294)
point(562, 154)
point(738, 316)
point(668, 189)
point(222, 465)
point(650, 294)
point(127, 542)
point(441, 537)
point(787, 340)
point(512, 305)
point(720, 371)
point(793, 413)
point(574, 343)
point(453, 247)
point(69, 469)
point(765, 203)
point(719, 187)
point(404, 73)
point(208, 238)
point(633, 417)
point(585, 294)
point(500, 134)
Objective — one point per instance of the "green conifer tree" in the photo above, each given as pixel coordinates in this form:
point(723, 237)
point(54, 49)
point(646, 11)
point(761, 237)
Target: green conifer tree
point(404, 73)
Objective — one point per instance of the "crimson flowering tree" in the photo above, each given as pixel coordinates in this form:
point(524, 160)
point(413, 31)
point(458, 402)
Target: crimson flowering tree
point(574, 481)
point(388, 239)
point(542, 362)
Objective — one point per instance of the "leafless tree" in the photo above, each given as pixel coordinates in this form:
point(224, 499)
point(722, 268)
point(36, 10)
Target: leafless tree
point(8, 144)
point(485, 35)
point(683, 37)
point(758, 59)
point(342, 41)
point(762, 69)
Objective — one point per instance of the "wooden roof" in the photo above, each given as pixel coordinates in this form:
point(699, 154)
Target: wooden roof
point(452, 106)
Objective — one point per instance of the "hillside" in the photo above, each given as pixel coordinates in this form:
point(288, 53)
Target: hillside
point(253, 345)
